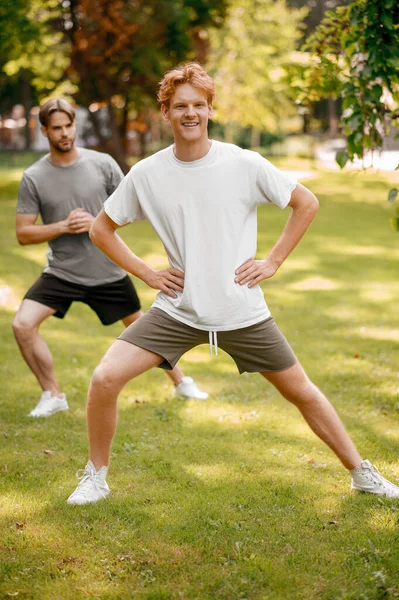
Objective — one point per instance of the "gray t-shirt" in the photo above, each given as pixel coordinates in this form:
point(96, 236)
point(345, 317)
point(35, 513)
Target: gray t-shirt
point(52, 192)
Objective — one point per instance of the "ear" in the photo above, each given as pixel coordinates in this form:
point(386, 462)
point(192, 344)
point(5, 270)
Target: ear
point(210, 110)
point(165, 112)
point(43, 129)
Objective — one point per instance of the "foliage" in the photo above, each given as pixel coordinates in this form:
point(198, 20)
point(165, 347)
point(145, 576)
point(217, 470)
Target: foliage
point(107, 52)
point(41, 51)
point(231, 498)
point(354, 55)
point(249, 60)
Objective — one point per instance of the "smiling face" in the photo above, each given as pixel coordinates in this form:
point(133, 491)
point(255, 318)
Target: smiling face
point(60, 132)
point(188, 114)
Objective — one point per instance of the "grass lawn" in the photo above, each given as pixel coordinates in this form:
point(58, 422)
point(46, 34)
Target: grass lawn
point(229, 499)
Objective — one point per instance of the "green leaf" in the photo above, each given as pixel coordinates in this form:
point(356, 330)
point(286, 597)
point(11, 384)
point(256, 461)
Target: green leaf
point(392, 194)
point(341, 158)
point(395, 224)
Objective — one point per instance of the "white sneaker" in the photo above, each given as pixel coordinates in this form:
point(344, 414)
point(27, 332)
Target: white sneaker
point(91, 487)
point(367, 478)
point(189, 389)
point(49, 405)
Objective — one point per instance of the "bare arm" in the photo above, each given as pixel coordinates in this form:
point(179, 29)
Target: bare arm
point(103, 234)
point(304, 206)
point(29, 232)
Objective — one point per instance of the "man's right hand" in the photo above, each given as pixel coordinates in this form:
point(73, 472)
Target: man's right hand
point(168, 280)
point(78, 221)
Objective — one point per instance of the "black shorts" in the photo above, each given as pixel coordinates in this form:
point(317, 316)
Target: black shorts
point(110, 301)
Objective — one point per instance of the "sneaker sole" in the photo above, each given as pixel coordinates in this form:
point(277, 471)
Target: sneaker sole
point(53, 412)
point(87, 501)
point(188, 397)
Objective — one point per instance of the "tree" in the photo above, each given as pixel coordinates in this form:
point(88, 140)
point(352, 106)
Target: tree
point(355, 56)
point(121, 49)
point(249, 58)
point(111, 52)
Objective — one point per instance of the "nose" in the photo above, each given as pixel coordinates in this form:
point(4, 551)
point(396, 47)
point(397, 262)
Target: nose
point(64, 132)
point(190, 112)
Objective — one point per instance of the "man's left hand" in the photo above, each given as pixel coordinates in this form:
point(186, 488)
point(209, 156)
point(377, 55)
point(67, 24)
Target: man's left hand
point(254, 271)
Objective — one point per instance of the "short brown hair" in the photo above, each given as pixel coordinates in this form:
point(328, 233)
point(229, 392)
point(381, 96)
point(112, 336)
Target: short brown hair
point(55, 105)
point(187, 73)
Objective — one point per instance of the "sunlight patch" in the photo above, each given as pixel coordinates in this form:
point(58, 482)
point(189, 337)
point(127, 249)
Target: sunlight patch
point(315, 283)
point(194, 356)
point(156, 261)
point(378, 333)
point(36, 254)
point(222, 414)
point(209, 472)
point(297, 264)
point(383, 520)
point(8, 298)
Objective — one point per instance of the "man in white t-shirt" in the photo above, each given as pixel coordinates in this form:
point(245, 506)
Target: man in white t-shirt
point(201, 197)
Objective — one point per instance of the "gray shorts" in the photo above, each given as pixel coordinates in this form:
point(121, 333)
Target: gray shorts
point(255, 349)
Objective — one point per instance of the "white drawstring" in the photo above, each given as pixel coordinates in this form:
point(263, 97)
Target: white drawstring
point(213, 341)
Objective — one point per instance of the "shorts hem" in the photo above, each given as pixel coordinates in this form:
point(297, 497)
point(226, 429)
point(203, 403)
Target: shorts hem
point(241, 371)
point(58, 314)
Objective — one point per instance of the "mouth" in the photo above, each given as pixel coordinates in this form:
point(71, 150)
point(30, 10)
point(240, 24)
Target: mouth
point(189, 125)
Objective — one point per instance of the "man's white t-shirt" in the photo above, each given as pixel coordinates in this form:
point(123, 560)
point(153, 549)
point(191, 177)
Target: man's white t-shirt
point(204, 212)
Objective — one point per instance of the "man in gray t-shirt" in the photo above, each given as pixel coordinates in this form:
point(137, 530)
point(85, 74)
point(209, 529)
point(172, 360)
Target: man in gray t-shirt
point(67, 188)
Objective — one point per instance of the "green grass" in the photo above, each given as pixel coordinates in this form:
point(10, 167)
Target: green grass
point(229, 499)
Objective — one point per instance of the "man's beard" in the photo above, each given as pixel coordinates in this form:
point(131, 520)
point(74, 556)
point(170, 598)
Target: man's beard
point(63, 147)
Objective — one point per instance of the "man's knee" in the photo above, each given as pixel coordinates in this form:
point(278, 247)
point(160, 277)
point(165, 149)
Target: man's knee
point(23, 328)
point(103, 381)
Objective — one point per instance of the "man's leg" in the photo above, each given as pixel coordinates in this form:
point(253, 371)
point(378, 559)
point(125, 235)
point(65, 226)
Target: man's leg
point(321, 417)
point(32, 346)
point(185, 386)
point(121, 363)
point(294, 385)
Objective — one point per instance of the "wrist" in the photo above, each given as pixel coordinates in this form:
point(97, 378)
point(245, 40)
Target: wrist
point(275, 260)
point(63, 226)
point(144, 272)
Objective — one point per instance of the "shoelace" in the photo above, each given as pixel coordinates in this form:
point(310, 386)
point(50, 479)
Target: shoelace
point(375, 476)
point(85, 477)
point(43, 402)
point(213, 341)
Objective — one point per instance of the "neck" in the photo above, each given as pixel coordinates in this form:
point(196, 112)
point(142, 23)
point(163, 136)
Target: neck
point(64, 159)
point(190, 152)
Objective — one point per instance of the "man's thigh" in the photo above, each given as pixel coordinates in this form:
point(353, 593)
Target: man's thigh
point(31, 314)
point(54, 293)
point(123, 361)
point(159, 333)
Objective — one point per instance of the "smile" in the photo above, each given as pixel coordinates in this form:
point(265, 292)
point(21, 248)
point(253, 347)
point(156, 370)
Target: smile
point(190, 124)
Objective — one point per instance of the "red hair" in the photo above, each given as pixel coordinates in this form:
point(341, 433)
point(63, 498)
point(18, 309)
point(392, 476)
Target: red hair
point(191, 73)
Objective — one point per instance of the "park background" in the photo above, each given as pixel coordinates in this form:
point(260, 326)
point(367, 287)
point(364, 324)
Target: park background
point(232, 498)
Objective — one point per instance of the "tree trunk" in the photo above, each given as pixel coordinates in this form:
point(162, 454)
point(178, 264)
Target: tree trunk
point(332, 118)
point(26, 100)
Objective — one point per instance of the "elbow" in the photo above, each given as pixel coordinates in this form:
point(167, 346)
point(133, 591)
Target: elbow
point(94, 234)
point(22, 241)
point(313, 204)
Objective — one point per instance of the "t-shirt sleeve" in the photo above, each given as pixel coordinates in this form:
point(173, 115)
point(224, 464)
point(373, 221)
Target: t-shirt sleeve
point(123, 206)
point(115, 176)
point(28, 199)
point(272, 185)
